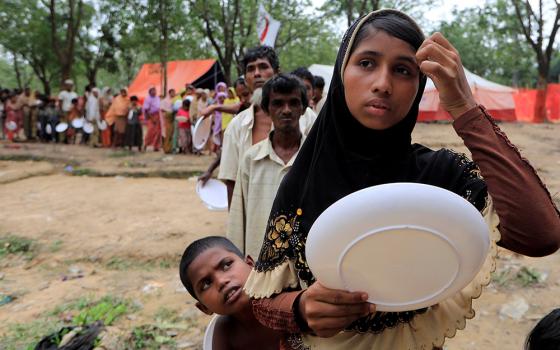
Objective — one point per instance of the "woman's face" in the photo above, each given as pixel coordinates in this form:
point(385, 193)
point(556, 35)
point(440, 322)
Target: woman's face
point(152, 92)
point(381, 80)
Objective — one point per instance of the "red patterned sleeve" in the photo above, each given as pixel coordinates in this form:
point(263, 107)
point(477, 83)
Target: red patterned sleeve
point(529, 220)
point(277, 312)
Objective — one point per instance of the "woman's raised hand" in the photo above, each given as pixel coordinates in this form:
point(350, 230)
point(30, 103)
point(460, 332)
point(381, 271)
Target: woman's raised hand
point(440, 61)
point(329, 311)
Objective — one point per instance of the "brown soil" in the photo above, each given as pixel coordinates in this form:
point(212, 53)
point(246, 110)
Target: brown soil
point(125, 235)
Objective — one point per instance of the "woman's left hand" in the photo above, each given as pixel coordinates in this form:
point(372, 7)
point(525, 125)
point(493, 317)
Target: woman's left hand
point(440, 61)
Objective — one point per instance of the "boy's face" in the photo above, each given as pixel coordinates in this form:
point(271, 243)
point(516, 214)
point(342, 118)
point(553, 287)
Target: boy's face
point(218, 277)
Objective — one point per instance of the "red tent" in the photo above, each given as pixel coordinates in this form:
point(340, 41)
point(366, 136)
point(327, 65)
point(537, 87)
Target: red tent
point(200, 73)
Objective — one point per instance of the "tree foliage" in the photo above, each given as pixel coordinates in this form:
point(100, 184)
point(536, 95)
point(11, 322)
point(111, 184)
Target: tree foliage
point(491, 44)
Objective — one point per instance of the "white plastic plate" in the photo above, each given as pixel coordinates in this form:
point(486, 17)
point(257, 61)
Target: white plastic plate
point(407, 245)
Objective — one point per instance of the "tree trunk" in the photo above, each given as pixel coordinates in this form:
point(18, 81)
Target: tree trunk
point(540, 102)
point(350, 12)
point(17, 71)
point(92, 76)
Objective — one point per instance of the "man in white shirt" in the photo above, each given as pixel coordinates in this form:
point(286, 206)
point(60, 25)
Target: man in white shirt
point(66, 96)
point(253, 124)
point(264, 165)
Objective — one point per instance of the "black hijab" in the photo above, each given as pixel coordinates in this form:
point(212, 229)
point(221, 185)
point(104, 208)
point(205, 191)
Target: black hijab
point(341, 156)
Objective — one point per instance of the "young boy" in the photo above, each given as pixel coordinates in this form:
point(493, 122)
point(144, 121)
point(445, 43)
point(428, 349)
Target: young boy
point(214, 272)
point(183, 120)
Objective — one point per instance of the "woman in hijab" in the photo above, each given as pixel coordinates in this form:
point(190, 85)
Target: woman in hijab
point(362, 138)
point(151, 111)
point(116, 117)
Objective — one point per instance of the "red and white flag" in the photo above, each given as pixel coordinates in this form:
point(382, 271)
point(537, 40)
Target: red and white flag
point(267, 27)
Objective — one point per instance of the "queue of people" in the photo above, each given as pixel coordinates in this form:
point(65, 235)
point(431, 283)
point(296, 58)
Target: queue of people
point(100, 118)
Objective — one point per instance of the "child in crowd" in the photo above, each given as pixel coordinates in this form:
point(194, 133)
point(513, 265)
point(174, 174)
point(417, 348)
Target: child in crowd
point(214, 272)
point(52, 117)
point(74, 113)
point(184, 127)
point(546, 334)
point(133, 131)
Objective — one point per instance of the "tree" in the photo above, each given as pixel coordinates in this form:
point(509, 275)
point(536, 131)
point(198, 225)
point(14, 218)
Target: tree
point(97, 43)
point(65, 19)
point(533, 26)
point(490, 43)
point(228, 25)
point(33, 44)
point(353, 9)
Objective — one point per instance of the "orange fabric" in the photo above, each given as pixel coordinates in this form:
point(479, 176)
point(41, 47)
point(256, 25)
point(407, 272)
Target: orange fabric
point(525, 101)
point(179, 73)
point(119, 107)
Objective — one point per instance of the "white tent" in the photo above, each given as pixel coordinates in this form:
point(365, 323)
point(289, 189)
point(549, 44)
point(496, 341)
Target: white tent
point(323, 71)
point(494, 97)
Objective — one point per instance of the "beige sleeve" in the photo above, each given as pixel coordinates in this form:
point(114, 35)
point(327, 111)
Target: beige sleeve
point(238, 210)
point(230, 153)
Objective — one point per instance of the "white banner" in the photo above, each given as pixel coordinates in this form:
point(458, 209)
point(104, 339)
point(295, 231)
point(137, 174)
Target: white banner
point(267, 27)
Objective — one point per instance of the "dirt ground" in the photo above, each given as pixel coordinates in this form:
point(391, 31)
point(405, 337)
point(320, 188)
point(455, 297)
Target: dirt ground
point(119, 230)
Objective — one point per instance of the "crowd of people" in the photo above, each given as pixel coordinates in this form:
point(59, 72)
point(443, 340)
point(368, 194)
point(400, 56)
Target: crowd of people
point(284, 166)
point(107, 119)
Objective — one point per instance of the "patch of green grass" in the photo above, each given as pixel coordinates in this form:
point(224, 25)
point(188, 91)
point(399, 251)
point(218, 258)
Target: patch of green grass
point(16, 245)
point(26, 335)
point(108, 309)
point(527, 276)
point(166, 314)
point(119, 264)
point(56, 246)
point(131, 164)
point(523, 277)
point(149, 337)
point(84, 172)
point(121, 154)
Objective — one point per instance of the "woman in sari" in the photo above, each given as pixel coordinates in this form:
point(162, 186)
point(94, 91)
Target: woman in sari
point(116, 117)
point(362, 138)
point(151, 111)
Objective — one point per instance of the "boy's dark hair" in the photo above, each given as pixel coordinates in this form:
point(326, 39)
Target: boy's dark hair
point(74, 101)
point(261, 52)
point(186, 104)
point(319, 82)
point(198, 247)
point(284, 84)
point(304, 74)
point(546, 334)
point(133, 98)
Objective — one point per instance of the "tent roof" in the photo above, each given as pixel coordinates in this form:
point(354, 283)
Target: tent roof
point(476, 82)
point(179, 73)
